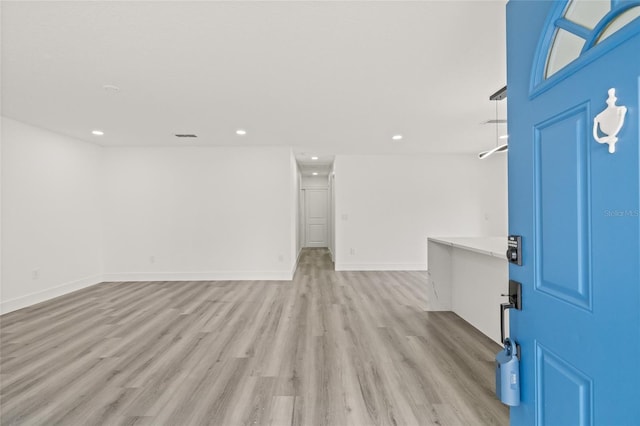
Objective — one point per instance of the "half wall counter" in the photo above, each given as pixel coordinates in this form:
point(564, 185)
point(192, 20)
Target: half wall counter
point(467, 275)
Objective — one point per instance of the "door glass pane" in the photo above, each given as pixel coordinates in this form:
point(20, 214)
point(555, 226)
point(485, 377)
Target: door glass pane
point(620, 22)
point(587, 13)
point(566, 47)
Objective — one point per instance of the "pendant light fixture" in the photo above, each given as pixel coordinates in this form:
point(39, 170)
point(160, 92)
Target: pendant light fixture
point(496, 97)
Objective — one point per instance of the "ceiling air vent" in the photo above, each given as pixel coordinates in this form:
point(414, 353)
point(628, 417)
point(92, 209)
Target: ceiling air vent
point(186, 135)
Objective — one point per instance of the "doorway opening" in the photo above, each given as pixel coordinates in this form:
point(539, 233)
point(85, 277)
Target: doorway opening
point(316, 207)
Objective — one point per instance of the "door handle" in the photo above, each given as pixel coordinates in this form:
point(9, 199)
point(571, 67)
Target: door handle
point(504, 307)
point(515, 302)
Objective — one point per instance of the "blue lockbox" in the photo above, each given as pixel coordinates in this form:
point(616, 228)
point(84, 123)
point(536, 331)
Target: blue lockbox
point(508, 374)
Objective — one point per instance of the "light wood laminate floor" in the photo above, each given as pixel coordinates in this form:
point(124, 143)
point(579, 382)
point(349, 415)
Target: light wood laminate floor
point(328, 348)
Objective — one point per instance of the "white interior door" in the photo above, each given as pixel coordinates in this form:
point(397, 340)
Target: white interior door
point(316, 217)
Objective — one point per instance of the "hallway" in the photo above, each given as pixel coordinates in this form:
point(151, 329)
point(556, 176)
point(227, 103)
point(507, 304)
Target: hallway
point(328, 348)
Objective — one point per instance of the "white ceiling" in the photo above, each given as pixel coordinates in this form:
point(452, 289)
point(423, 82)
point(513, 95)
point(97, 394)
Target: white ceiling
point(323, 77)
point(322, 166)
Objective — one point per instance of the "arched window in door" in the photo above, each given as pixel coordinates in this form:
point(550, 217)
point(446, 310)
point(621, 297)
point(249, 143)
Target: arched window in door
point(576, 27)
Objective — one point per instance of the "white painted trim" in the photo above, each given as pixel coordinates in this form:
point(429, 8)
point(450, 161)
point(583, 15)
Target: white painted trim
point(381, 267)
point(201, 276)
point(7, 306)
point(303, 218)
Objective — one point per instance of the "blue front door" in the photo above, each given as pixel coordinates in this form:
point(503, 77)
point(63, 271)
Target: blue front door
point(577, 207)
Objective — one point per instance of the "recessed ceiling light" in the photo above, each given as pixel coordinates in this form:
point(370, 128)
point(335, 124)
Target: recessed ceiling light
point(314, 158)
point(111, 88)
point(315, 173)
point(396, 137)
point(97, 132)
point(241, 132)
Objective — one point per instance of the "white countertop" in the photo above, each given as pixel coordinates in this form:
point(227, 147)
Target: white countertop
point(491, 246)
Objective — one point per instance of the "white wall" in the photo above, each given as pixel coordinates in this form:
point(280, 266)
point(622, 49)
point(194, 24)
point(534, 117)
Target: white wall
point(51, 215)
point(187, 213)
point(296, 203)
point(198, 213)
point(492, 186)
point(387, 206)
point(301, 215)
point(332, 215)
point(315, 181)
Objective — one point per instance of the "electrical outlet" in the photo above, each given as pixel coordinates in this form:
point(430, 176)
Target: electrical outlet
point(352, 251)
point(280, 258)
point(35, 274)
point(152, 259)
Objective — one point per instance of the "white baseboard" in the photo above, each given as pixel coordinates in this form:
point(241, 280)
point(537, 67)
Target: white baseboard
point(7, 306)
point(201, 276)
point(380, 267)
point(333, 259)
